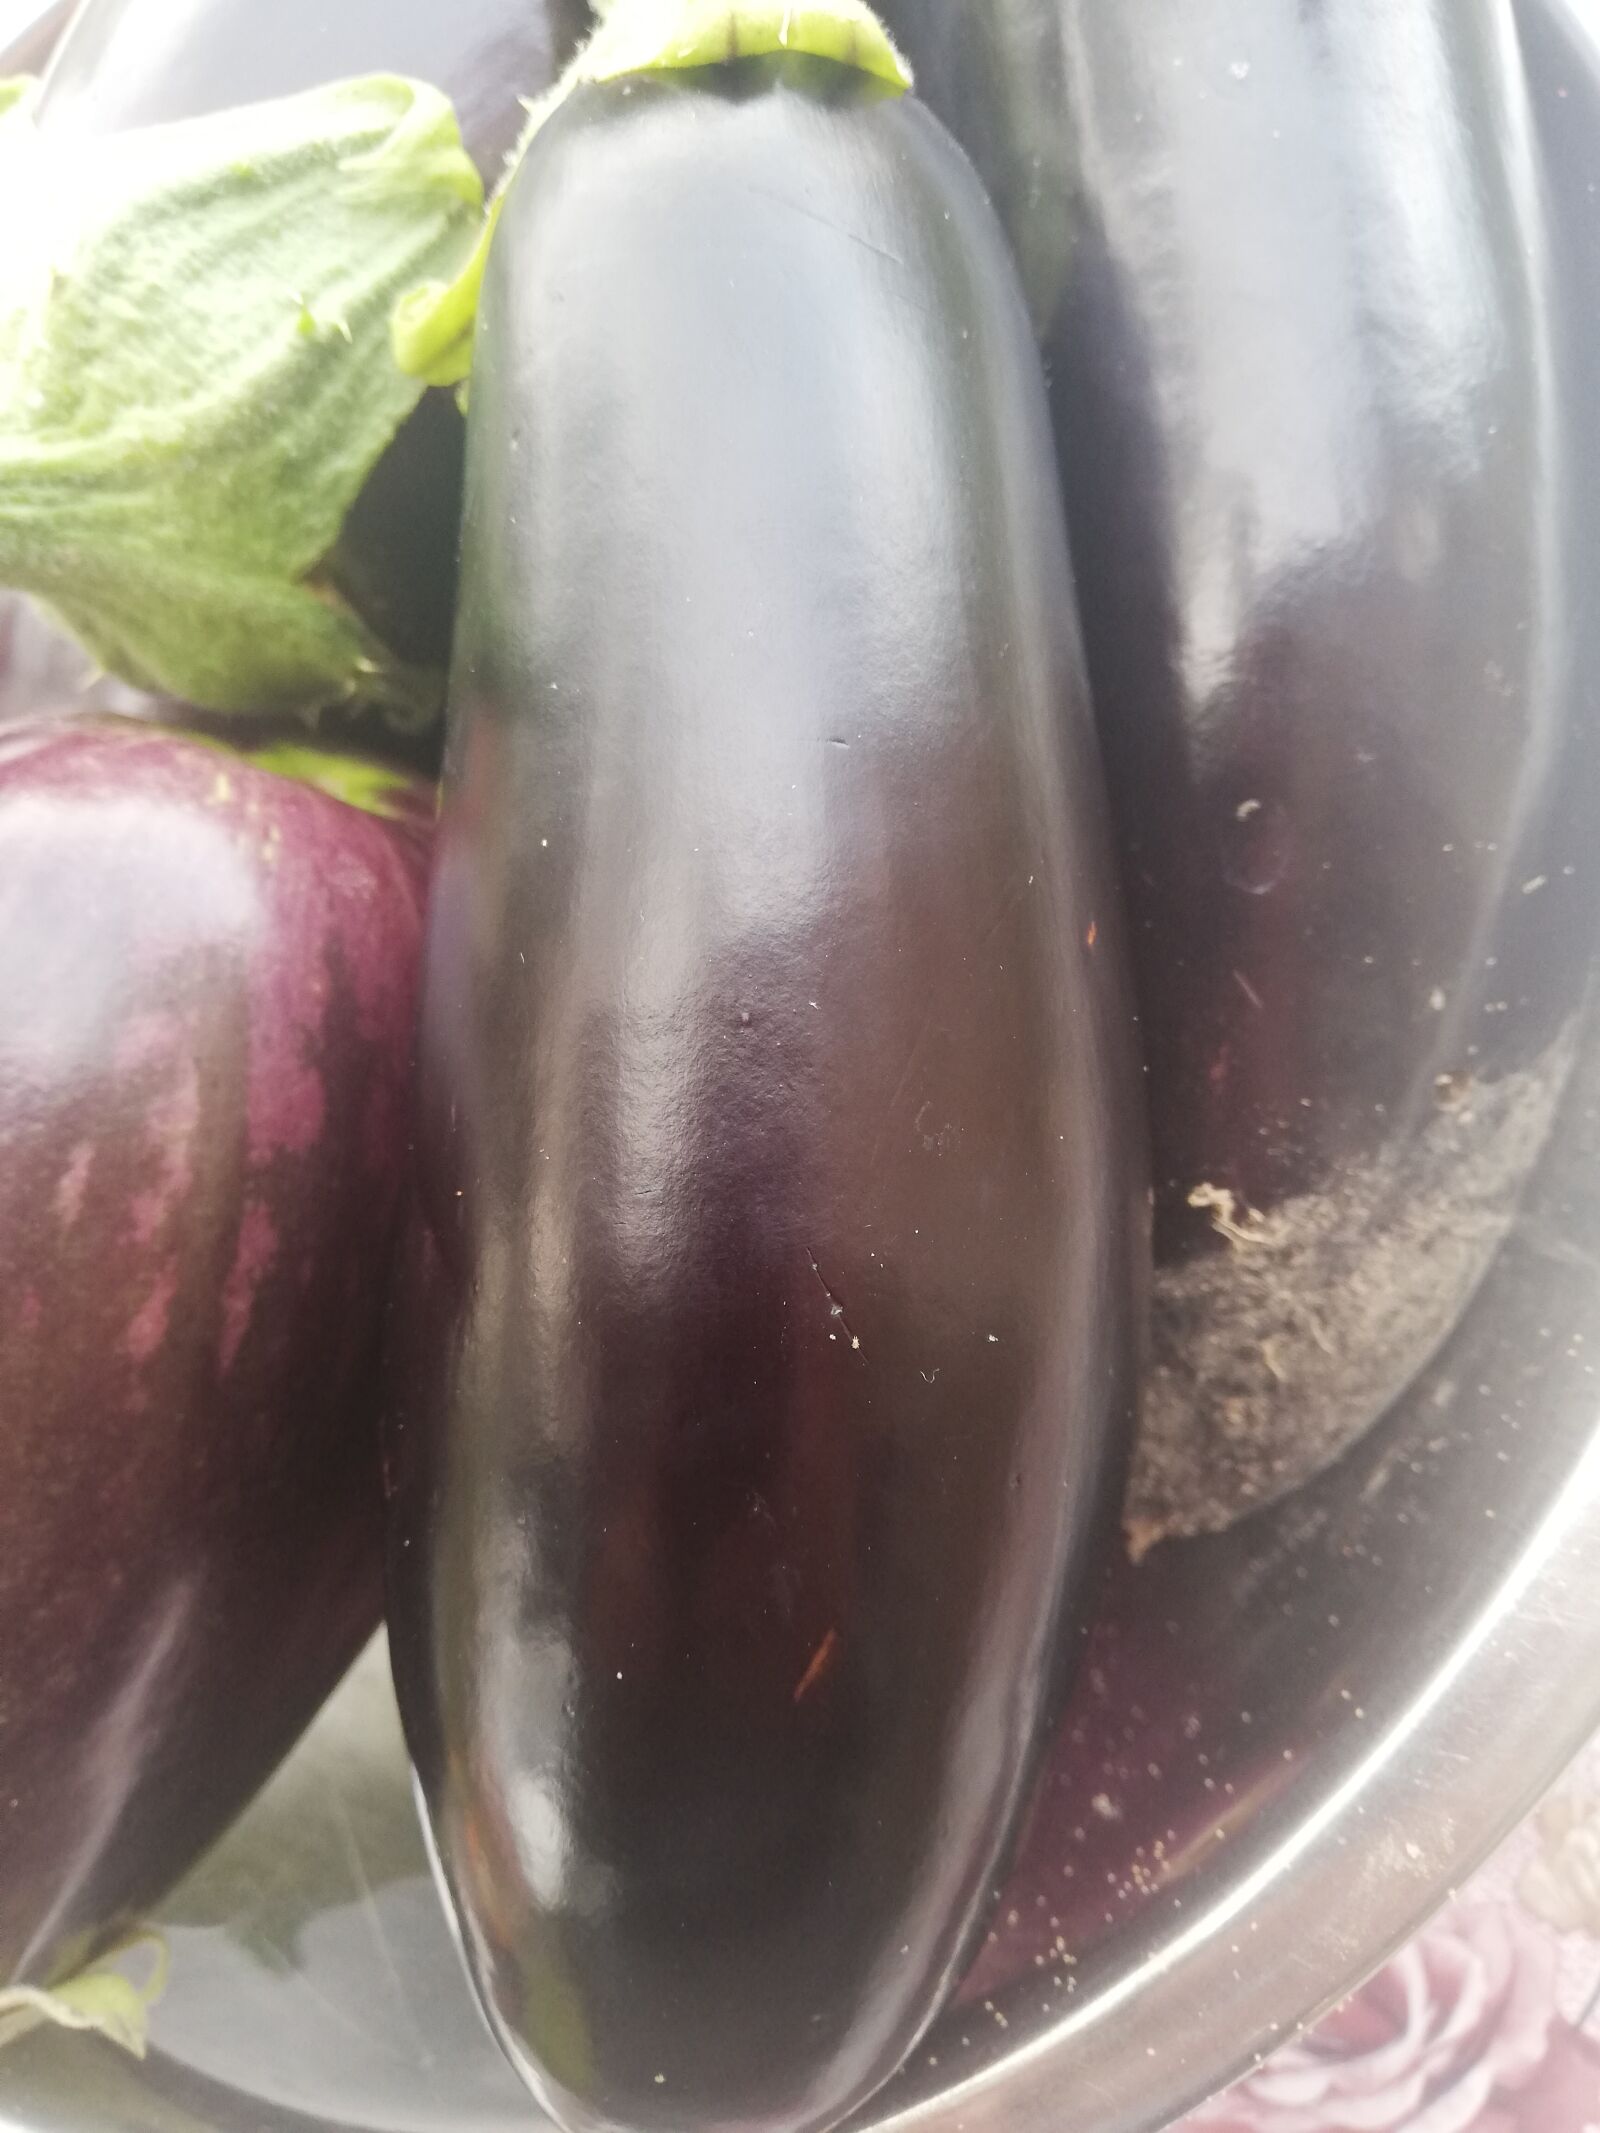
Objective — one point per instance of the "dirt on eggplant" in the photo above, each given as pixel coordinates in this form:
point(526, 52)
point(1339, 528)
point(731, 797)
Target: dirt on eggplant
point(1302, 1327)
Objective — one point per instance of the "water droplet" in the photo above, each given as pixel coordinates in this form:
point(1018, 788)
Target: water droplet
point(1256, 847)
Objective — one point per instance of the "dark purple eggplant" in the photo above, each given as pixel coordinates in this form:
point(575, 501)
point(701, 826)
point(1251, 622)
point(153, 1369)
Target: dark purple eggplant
point(1291, 269)
point(210, 974)
point(138, 62)
point(780, 1143)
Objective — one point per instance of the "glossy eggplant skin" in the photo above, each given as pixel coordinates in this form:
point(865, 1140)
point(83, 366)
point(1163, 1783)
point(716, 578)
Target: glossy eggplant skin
point(142, 62)
point(780, 1148)
point(204, 1121)
point(1291, 273)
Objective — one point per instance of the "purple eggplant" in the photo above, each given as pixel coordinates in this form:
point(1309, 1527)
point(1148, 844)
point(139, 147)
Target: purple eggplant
point(1292, 272)
point(210, 977)
point(143, 62)
point(779, 1141)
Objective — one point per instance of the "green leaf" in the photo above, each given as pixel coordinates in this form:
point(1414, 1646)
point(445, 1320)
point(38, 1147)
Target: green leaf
point(100, 1999)
point(196, 380)
point(433, 323)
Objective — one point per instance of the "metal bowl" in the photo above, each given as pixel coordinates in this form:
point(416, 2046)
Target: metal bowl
point(1287, 1745)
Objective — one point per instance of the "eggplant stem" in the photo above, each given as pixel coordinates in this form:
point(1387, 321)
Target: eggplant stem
point(432, 326)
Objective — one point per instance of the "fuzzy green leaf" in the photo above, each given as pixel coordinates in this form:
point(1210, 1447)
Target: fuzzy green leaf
point(196, 380)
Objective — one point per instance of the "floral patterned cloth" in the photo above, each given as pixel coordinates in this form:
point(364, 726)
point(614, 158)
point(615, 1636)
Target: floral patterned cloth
point(1487, 2022)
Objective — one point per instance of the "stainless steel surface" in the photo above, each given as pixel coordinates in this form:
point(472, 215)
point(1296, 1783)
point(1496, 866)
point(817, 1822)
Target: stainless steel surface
point(1287, 1745)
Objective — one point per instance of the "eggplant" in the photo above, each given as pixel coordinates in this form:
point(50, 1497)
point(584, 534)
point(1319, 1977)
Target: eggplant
point(126, 63)
point(204, 1120)
point(45, 673)
point(29, 44)
point(145, 62)
point(1291, 272)
point(764, 1363)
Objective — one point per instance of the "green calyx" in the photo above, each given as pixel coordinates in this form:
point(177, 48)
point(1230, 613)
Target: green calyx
point(638, 36)
point(196, 380)
point(433, 324)
point(375, 788)
point(360, 781)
